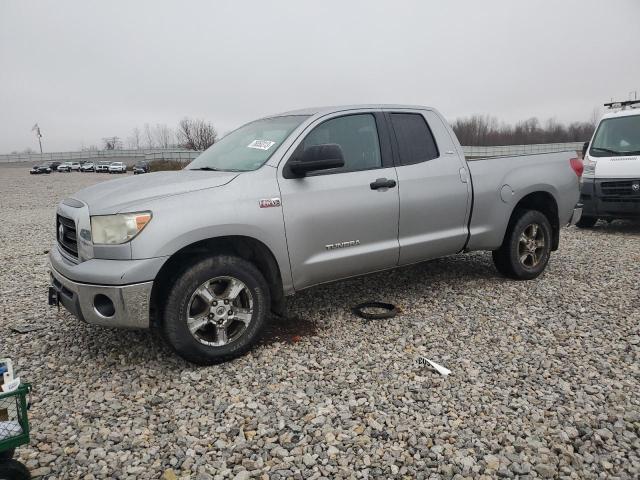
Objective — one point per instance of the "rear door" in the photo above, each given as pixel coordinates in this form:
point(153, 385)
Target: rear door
point(434, 192)
point(337, 224)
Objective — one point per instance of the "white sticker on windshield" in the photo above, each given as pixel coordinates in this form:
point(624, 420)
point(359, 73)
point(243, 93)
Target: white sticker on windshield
point(261, 144)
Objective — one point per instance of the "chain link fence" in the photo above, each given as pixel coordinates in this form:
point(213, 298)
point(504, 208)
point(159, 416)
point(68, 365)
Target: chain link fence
point(514, 150)
point(185, 156)
point(127, 156)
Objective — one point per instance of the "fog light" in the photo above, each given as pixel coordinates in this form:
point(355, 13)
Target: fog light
point(103, 305)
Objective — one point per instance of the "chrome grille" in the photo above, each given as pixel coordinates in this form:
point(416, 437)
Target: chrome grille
point(67, 235)
point(619, 188)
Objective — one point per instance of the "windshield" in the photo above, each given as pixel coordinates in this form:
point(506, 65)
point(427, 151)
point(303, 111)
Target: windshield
point(617, 136)
point(248, 147)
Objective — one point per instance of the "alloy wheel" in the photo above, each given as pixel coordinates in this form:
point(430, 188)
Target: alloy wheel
point(531, 246)
point(219, 311)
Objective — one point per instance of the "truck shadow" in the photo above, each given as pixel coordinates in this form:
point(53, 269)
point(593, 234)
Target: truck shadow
point(309, 312)
point(426, 278)
point(617, 227)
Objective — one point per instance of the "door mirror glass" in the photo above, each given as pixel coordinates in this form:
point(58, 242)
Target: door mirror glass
point(317, 157)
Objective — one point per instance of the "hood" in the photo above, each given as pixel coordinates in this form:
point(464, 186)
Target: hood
point(115, 195)
point(617, 167)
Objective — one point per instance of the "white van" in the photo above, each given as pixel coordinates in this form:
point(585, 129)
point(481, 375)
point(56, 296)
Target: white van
point(610, 186)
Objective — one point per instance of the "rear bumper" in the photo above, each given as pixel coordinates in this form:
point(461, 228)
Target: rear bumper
point(610, 198)
point(130, 302)
point(576, 215)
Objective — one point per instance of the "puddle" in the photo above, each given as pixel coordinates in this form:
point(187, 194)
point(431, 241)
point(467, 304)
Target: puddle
point(287, 329)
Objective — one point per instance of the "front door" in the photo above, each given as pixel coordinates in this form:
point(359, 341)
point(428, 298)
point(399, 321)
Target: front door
point(340, 222)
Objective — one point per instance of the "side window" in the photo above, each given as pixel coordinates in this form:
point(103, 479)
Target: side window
point(357, 135)
point(415, 140)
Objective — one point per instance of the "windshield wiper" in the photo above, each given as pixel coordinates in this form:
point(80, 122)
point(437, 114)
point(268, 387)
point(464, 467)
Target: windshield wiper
point(208, 169)
point(632, 152)
point(607, 150)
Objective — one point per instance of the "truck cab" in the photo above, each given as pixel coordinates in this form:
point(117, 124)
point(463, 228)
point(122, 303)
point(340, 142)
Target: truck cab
point(610, 184)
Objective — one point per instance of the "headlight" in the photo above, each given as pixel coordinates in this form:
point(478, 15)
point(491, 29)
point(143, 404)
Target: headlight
point(589, 167)
point(117, 229)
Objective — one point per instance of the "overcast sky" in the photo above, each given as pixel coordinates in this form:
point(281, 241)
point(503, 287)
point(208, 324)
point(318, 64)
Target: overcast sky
point(87, 70)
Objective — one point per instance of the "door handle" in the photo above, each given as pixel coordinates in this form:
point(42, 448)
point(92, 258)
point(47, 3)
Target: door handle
point(382, 183)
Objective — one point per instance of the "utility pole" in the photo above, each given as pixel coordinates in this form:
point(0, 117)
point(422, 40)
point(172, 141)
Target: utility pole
point(36, 129)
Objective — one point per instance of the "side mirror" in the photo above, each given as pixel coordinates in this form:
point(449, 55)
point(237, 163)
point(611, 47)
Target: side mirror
point(585, 147)
point(317, 157)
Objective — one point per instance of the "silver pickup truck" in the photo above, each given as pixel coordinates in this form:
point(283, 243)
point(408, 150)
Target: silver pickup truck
point(291, 201)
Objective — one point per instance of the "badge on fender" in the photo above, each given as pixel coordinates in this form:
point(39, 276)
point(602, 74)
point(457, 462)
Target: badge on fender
point(269, 202)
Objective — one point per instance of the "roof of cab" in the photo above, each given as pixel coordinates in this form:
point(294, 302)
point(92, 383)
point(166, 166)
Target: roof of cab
point(340, 108)
point(622, 113)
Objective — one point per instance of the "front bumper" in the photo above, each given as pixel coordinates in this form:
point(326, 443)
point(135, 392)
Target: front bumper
point(610, 198)
point(86, 301)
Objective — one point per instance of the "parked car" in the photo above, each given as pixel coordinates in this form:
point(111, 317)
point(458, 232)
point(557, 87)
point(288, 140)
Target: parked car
point(296, 200)
point(610, 185)
point(64, 167)
point(37, 169)
point(140, 167)
point(87, 167)
point(53, 165)
point(117, 167)
point(102, 167)
point(75, 166)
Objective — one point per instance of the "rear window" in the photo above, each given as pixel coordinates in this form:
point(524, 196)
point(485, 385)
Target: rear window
point(415, 140)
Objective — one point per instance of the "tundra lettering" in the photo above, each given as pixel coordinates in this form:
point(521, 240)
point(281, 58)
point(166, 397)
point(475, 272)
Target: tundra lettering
point(342, 244)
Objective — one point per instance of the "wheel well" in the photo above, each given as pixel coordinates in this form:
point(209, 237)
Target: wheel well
point(245, 247)
point(546, 204)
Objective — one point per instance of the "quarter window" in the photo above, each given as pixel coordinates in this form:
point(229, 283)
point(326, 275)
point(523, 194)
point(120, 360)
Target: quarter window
point(357, 135)
point(415, 140)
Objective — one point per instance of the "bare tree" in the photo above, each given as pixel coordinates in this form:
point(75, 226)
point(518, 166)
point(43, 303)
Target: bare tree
point(134, 140)
point(164, 136)
point(196, 134)
point(595, 116)
point(148, 136)
point(112, 143)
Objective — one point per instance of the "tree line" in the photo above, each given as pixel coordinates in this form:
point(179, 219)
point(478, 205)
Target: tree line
point(484, 130)
point(190, 134)
point(477, 130)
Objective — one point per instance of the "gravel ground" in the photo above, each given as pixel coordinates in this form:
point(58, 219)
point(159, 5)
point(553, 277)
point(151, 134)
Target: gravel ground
point(545, 376)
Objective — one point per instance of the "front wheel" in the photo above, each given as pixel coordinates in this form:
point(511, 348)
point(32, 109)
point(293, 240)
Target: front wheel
point(526, 248)
point(216, 309)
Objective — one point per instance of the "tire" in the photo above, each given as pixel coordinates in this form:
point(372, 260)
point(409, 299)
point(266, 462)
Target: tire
point(526, 248)
point(586, 222)
point(13, 470)
point(219, 337)
point(7, 454)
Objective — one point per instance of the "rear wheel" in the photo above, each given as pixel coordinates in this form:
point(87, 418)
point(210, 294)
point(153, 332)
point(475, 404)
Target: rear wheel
point(216, 309)
point(586, 222)
point(526, 248)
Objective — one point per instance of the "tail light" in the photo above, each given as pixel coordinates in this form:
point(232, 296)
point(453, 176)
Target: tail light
point(577, 166)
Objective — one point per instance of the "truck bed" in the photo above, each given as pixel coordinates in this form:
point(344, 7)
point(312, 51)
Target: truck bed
point(499, 183)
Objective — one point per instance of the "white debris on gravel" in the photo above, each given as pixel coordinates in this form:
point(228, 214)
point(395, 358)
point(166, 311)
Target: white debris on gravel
point(546, 382)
